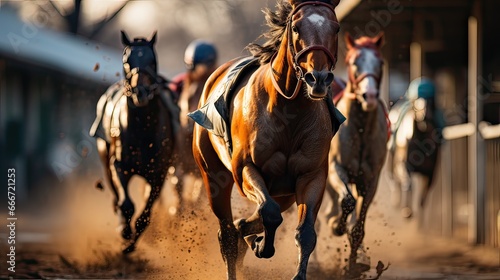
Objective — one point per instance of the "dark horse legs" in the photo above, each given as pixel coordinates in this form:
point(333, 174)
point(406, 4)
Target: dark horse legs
point(144, 219)
point(104, 154)
point(119, 186)
point(367, 193)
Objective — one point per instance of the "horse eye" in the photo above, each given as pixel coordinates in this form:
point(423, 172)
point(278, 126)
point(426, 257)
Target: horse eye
point(294, 29)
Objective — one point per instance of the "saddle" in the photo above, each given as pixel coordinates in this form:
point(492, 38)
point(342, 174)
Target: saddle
point(107, 122)
point(214, 114)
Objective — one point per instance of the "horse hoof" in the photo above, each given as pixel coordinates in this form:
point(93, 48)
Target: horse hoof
point(335, 226)
point(355, 270)
point(259, 249)
point(406, 212)
point(361, 267)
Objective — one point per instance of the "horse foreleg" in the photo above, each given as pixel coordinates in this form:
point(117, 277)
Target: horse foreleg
point(268, 210)
point(309, 195)
point(344, 202)
point(144, 219)
point(125, 204)
point(104, 154)
point(358, 231)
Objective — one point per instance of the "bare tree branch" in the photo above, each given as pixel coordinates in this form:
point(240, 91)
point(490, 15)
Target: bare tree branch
point(57, 9)
point(102, 23)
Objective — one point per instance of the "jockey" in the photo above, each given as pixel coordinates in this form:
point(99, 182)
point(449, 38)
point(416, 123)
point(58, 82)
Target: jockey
point(200, 59)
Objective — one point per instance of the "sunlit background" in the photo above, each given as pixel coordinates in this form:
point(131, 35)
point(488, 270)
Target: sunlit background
point(58, 57)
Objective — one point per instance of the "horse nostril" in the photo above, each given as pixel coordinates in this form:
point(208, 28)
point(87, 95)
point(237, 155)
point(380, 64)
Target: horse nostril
point(367, 96)
point(329, 78)
point(310, 79)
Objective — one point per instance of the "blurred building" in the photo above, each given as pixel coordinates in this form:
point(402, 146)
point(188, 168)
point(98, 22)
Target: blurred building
point(455, 43)
point(49, 85)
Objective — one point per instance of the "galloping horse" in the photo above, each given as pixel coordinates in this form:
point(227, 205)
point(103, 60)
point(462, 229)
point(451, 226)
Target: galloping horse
point(280, 127)
point(134, 130)
point(415, 144)
point(365, 133)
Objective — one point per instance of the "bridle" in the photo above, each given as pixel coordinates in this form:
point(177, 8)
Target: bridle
point(299, 73)
point(354, 81)
point(152, 89)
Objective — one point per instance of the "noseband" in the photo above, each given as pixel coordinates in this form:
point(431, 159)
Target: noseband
point(151, 89)
point(299, 73)
point(356, 80)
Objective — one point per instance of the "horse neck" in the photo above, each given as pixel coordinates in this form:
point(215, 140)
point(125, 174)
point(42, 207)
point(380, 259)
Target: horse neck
point(142, 115)
point(282, 66)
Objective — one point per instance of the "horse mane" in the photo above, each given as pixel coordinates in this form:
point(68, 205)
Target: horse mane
point(363, 42)
point(276, 21)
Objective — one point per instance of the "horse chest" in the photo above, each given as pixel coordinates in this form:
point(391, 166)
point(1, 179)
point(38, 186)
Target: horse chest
point(358, 149)
point(144, 144)
point(288, 155)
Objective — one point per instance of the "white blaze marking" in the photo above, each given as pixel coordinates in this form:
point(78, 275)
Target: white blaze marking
point(316, 19)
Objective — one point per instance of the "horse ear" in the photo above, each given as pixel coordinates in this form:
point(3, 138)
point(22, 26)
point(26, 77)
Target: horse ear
point(153, 39)
point(125, 40)
point(335, 2)
point(349, 41)
point(379, 39)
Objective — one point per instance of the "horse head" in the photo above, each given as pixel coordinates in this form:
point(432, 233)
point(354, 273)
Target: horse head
point(312, 30)
point(302, 48)
point(365, 62)
point(140, 69)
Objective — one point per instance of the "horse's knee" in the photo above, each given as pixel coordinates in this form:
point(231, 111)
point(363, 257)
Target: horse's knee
point(305, 237)
point(348, 204)
point(271, 214)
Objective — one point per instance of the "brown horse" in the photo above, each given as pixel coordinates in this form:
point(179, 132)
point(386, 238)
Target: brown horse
point(281, 126)
point(365, 133)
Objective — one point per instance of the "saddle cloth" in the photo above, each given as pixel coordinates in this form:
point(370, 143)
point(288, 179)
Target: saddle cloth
point(214, 114)
point(108, 112)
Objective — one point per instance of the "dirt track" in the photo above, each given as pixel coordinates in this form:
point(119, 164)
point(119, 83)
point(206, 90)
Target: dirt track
point(76, 237)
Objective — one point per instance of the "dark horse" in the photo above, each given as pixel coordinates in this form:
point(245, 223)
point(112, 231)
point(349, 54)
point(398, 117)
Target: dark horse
point(134, 132)
point(415, 145)
point(281, 125)
point(365, 133)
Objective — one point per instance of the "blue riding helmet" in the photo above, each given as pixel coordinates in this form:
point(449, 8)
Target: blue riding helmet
point(421, 88)
point(200, 52)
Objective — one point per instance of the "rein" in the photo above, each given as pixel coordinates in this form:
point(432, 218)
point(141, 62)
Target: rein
point(299, 73)
point(152, 89)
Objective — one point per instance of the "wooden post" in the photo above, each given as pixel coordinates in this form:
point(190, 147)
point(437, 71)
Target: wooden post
point(415, 61)
point(476, 232)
